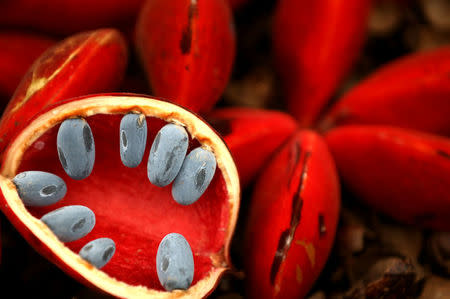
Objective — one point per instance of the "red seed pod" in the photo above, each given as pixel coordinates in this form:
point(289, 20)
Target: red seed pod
point(189, 55)
point(402, 173)
point(68, 16)
point(82, 64)
point(128, 209)
point(252, 135)
point(293, 218)
point(18, 50)
point(315, 44)
point(412, 92)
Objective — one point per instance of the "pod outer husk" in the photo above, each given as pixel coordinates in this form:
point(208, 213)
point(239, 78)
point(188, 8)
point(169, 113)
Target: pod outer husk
point(18, 51)
point(293, 218)
point(400, 172)
point(96, 109)
point(85, 63)
point(412, 92)
point(68, 16)
point(188, 58)
point(315, 44)
point(252, 135)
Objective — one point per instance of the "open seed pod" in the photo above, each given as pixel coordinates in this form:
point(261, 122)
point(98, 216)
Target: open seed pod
point(130, 211)
point(293, 218)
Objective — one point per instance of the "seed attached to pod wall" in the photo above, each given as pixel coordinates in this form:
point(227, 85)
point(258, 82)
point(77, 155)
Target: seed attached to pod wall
point(133, 137)
point(70, 223)
point(175, 262)
point(76, 148)
point(98, 252)
point(194, 177)
point(39, 189)
point(167, 154)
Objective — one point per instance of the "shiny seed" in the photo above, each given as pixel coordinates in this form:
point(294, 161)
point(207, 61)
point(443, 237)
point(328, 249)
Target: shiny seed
point(76, 148)
point(98, 252)
point(175, 262)
point(39, 189)
point(133, 138)
point(167, 154)
point(194, 177)
point(70, 223)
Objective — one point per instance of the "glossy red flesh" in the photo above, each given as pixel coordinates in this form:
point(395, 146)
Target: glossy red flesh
point(252, 135)
point(82, 64)
point(187, 49)
point(412, 92)
point(67, 16)
point(402, 173)
point(132, 211)
point(18, 50)
point(293, 219)
point(315, 44)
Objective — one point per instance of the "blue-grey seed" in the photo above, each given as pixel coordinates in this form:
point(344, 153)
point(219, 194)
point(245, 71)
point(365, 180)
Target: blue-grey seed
point(76, 148)
point(194, 177)
point(167, 154)
point(39, 189)
point(133, 137)
point(98, 252)
point(70, 223)
point(175, 262)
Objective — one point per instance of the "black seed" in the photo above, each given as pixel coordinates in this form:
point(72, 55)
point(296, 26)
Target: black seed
point(79, 225)
point(200, 178)
point(87, 137)
point(48, 190)
point(107, 255)
point(165, 264)
point(124, 139)
point(88, 247)
point(62, 158)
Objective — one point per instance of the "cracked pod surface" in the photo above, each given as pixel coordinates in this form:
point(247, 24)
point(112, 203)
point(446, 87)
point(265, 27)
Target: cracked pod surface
point(403, 173)
point(412, 92)
point(315, 44)
point(246, 129)
point(293, 218)
point(128, 209)
point(84, 63)
point(189, 55)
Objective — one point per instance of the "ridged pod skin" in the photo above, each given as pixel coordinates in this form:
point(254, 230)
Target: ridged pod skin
point(412, 92)
point(67, 16)
point(293, 218)
point(131, 211)
point(85, 63)
point(189, 55)
point(315, 44)
point(18, 51)
point(252, 135)
point(400, 172)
